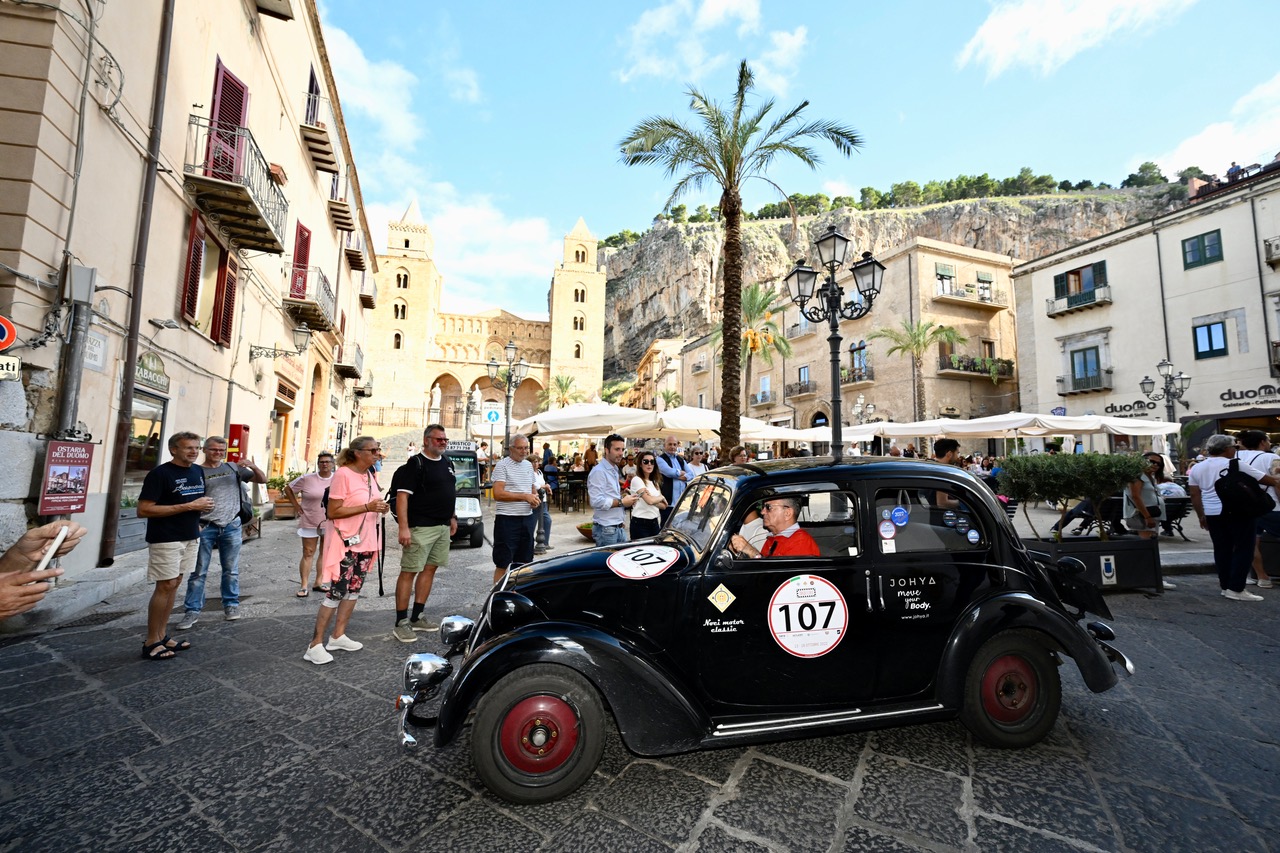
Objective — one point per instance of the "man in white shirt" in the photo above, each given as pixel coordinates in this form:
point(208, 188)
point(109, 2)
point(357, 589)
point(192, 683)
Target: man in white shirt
point(1256, 453)
point(513, 520)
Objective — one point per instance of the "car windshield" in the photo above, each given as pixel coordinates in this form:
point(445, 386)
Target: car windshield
point(700, 511)
point(465, 470)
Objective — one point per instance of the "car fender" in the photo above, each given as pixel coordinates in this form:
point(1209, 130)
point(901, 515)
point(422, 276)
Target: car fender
point(1012, 611)
point(655, 716)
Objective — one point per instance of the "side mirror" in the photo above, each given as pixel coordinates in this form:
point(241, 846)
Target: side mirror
point(724, 560)
point(1070, 566)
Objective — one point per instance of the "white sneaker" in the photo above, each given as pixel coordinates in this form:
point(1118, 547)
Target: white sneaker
point(1241, 596)
point(344, 643)
point(1266, 583)
point(1169, 584)
point(317, 655)
point(1251, 580)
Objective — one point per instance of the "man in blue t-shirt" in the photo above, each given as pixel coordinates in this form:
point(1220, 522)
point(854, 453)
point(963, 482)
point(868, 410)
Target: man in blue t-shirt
point(171, 500)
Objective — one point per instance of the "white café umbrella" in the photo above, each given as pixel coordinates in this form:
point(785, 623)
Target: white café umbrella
point(688, 423)
point(582, 419)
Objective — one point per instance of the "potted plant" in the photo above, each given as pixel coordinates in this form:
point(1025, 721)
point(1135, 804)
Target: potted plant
point(275, 491)
point(1058, 479)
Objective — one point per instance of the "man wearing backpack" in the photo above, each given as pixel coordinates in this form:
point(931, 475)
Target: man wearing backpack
point(424, 490)
point(1221, 505)
point(1256, 452)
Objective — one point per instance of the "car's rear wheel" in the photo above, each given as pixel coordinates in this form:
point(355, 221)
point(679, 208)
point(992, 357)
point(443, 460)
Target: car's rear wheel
point(477, 536)
point(1012, 691)
point(538, 734)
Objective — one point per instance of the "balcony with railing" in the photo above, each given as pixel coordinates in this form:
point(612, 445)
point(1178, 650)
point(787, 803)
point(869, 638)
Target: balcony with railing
point(368, 291)
point(802, 389)
point(699, 366)
point(799, 330)
point(1068, 385)
point(853, 376)
point(310, 298)
point(969, 367)
point(979, 294)
point(1073, 302)
point(348, 361)
point(342, 211)
point(365, 386)
point(762, 398)
point(353, 246)
point(319, 131)
point(227, 177)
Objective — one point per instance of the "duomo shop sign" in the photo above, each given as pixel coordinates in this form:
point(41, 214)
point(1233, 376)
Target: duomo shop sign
point(1136, 409)
point(1250, 397)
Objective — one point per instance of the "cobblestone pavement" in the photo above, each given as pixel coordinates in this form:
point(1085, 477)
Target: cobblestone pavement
point(239, 744)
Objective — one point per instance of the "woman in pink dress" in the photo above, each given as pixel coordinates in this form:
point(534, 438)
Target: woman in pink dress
point(305, 494)
point(355, 503)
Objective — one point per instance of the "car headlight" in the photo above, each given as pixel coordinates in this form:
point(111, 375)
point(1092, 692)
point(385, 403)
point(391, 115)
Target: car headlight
point(455, 630)
point(425, 670)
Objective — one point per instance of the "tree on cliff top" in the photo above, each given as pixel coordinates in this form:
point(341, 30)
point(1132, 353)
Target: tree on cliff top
point(729, 148)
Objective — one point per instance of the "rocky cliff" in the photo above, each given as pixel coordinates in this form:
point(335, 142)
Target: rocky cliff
point(667, 285)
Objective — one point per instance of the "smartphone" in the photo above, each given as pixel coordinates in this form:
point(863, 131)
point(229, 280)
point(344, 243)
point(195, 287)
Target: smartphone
point(53, 548)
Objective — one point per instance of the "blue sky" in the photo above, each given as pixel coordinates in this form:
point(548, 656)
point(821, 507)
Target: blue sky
point(503, 118)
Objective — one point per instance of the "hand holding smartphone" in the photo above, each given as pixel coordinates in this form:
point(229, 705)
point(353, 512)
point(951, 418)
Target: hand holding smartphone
point(53, 548)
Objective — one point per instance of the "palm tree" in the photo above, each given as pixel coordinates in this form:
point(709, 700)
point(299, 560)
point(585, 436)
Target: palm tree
point(729, 148)
point(915, 339)
point(560, 394)
point(670, 398)
point(761, 334)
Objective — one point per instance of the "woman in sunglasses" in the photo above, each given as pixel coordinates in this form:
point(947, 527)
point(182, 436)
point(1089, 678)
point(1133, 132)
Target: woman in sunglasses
point(647, 484)
point(697, 463)
point(305, 493)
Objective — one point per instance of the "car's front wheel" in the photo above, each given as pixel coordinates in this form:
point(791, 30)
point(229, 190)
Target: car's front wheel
point(477, 536)
point(538, 734)
point(1012, 692)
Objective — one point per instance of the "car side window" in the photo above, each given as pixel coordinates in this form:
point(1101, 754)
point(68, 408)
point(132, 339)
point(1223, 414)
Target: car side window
point(908, 521)
point(826, 517)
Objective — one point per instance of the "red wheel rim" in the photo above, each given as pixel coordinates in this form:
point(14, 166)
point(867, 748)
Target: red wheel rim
point(539, 734)
point(1009, 689)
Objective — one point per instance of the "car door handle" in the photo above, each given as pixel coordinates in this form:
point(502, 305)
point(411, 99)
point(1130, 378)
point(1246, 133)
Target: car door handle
point(870, 609)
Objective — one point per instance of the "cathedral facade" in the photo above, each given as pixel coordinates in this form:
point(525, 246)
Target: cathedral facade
point(430, 366)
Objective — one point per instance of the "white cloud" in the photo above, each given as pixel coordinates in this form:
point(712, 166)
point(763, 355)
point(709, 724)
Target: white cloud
point(464, 85)
point(1046, 34)
point(671, 40)
point(835, 188)
point(775, 68)
point(1250, 135)
point(381, 91)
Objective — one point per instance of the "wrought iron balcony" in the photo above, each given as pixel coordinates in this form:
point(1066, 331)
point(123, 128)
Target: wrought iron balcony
point(318, 132)
point(857, 375)
point(230, 181)
point(978, 294)
point(310, 298)
point(365, 389)
point(762, 398)
point(1068, 385)
point(342, 211)
point(799, 330)
point(1073, 302)
point(348, 361)
point(699, 366)
point(368, 291)
point(968, 366)
point(802, 389)
point(353, 245)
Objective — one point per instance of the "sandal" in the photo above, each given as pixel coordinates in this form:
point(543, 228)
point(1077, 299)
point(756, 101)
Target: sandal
point(303, 593)
point(318, 588)
point(178, 645)
point(157, 651)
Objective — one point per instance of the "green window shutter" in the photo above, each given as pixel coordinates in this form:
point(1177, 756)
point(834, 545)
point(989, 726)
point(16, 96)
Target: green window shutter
point(1060, 286)
point(986, 277)
point(1100, 274)
point(946, 270)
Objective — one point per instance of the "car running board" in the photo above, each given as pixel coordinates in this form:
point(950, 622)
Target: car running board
point(783, 724)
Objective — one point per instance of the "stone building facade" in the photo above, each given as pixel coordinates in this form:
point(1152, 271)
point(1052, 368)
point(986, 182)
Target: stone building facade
point(431, 366)
point(256, 227)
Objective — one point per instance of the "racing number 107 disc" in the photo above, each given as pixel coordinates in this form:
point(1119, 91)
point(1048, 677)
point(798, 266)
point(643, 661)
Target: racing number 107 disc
point(808, 616)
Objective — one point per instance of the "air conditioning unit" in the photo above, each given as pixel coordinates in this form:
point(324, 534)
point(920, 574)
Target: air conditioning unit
point(948, 411)
point(1273, 250)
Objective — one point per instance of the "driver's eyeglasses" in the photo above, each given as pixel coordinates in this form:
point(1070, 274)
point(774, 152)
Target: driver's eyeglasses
point(770, 507)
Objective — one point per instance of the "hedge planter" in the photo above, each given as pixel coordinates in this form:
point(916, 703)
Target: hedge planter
point(131, 535)
point(1131, 562)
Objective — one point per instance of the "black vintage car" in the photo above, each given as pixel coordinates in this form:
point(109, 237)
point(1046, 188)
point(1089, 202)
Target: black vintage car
point(922, 605)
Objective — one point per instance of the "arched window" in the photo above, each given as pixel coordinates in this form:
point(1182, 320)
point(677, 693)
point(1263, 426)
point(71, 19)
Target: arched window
point(579, 323)
point(401, 311)
point(402, 280)
point(577, 350)
point(397, 342)
point(579, 294)
point(406, 243)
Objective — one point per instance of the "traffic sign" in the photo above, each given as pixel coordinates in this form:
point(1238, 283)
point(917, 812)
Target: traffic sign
point(8, 334)
point(493, 416)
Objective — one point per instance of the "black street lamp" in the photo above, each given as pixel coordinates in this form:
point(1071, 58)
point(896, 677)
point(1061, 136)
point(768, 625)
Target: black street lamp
point(516, 373)
point(1175, 385)
point(868, 274)
point(862, 410)
point(301, 340)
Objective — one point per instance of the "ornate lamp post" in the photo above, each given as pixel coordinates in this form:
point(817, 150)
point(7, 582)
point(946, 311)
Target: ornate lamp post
point(1175, 385)
point(516, 373)
point(829, 305)
point(862, 410)
point(301, 340)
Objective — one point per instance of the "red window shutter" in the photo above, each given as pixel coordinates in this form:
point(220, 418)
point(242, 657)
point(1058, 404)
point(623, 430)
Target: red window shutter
point(195, 264)
point(301, 260)
point(228, 111)
point(224, 306)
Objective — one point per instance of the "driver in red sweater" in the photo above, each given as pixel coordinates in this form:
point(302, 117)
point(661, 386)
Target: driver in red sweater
point(786, 539)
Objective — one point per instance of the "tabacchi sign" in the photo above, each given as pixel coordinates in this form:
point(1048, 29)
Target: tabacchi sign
point(66, 478)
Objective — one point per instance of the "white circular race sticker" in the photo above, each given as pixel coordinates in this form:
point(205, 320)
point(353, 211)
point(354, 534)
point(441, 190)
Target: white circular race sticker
point(887, 529)
point(807, 616)
point(642, 562)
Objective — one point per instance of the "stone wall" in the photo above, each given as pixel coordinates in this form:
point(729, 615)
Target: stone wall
point(667, 285)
